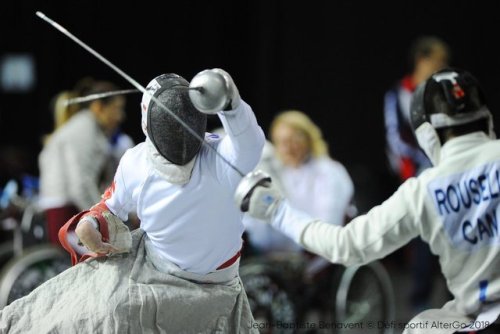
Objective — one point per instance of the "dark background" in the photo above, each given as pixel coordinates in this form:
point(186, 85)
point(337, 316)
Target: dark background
point(332, 59)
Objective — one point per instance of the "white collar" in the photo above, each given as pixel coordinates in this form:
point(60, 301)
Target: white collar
point(176, 174)
point(462, 143)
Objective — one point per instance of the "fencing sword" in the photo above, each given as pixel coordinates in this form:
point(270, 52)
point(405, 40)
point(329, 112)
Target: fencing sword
point(138, 86)
point(98, 96)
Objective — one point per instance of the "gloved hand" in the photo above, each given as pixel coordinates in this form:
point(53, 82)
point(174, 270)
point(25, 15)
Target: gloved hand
point(120, 239)
point(214, 91)
point(258, 196)
point(91, 238)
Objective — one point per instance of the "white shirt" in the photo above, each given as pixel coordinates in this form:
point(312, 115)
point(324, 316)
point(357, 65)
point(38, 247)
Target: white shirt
point(321, 187)
point(71, 163)
point(197, 226)
point(454, 207)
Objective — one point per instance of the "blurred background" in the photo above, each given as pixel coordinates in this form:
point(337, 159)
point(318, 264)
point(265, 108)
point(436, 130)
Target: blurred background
point(334, 60)
point(331, 59)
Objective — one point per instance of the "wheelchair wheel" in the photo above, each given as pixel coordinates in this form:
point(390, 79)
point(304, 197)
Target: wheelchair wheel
point(23, 274)
point(365, 298)
point(271, 305)
point(6, 252)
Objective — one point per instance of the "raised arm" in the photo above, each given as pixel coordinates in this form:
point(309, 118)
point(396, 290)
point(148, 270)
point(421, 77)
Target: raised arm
point(243, 144)
point(374, 235)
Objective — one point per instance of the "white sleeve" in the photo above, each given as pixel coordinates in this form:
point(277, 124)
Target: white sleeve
point(242, 146)
point(118, 197)
point(372, 236)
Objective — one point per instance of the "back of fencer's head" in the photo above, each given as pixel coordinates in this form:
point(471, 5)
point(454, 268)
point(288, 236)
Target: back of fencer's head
point(452, 101)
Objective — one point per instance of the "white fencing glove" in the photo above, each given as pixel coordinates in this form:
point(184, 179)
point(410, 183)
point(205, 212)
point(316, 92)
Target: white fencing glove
point(119, 239)
point(258, 196)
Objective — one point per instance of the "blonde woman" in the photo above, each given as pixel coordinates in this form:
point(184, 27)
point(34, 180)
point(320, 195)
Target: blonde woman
point(301, 167)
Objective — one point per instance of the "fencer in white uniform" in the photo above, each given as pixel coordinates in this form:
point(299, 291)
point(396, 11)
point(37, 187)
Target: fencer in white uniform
point(187, 211)
point(453, 206)
point(178, 273)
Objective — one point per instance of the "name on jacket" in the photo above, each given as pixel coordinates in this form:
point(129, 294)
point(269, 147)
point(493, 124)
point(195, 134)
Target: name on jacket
point(467, 203)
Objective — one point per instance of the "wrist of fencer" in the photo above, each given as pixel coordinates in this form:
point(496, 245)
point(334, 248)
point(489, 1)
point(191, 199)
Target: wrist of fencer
point(272, 212)
point(231, 108)
point(233, 103)
point(237, 121)
point(290, 221)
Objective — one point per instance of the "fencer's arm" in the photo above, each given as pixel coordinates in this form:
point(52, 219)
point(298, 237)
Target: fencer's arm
point(242, 146)
point(374, 235)
point(112, 210)
point(245, 139)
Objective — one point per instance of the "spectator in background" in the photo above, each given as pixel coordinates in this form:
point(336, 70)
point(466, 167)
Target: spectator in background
point(74, 157)
point(62, 111)
point(300, 166)
point(119, 140)
point(427, 55)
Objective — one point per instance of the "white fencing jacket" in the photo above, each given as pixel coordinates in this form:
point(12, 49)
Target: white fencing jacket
point(453, 206)
point(71, 163)
point(197, 226)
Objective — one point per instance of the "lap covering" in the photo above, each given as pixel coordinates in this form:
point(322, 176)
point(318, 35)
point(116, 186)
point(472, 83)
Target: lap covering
point(125, 293)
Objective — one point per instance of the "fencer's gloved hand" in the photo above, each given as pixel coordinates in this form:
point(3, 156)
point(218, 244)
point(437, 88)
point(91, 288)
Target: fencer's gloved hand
point(119, 237)
point(91, 238)
point(213, 91)
point(258, 196)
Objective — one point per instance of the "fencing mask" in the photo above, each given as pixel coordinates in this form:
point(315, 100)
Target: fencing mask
point(171, 139)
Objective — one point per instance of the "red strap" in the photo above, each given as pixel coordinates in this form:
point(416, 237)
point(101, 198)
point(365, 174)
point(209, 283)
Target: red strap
point(230, 261)
point(96, 212)
point(63, 235)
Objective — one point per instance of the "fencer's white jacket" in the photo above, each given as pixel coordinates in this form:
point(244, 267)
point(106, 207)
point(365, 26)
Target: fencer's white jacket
point(196, 226)
point(453, 206)
point(71, 163)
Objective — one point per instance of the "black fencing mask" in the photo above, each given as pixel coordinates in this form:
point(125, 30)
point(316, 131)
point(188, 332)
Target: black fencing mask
point(170, 138)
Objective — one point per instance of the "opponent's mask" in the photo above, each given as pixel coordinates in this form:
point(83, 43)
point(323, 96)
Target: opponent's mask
point(170, 138)
point(450, 97)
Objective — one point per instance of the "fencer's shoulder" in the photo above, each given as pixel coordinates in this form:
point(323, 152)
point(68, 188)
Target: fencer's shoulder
point(414, 187)
point(134, 155)
point(134, 167)
point(213, 140)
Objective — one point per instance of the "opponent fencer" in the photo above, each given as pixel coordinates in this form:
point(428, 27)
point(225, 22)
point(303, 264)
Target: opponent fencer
point(179, 272)
point(452, 206)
